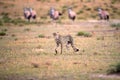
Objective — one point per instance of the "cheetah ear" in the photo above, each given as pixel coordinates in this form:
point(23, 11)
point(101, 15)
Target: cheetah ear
point(54, 34)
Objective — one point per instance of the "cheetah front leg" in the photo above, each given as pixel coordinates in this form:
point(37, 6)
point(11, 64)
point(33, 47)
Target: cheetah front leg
point(61, 48)
point(56, 48)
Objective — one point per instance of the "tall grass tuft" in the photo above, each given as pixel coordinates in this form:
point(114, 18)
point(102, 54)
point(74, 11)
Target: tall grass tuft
point(114, 69)
point(41, 36)
point(115, 25)
point(6, 19)
point(1, 23)
point(80, 12)
point(85, 34)
point(88, 9)
point(2, 33)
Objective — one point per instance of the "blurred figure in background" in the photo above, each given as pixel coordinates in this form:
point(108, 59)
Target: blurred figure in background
point(71, 14)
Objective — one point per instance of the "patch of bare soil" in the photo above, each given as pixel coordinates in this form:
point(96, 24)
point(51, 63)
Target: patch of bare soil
point(116, 76)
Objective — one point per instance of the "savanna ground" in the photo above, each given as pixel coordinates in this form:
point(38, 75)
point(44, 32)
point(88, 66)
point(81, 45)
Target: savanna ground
point(27, 52)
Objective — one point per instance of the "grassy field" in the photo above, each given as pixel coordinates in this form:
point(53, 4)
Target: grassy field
point(27, 49)
point(27, 52)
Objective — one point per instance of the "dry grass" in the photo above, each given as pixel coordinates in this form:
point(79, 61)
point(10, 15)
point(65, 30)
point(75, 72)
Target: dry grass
point(34, 57)
point(24, 55)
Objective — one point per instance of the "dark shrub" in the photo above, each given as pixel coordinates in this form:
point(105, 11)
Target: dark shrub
point(41, 36)
point(85, 34)
point(2, 33)
point(114, 69)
